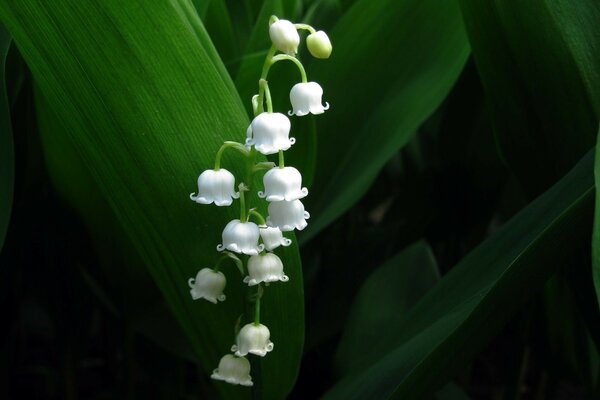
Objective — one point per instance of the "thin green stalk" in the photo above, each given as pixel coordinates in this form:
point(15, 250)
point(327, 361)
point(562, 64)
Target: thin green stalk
point(305, 27)
point(281, 57)
point(281, 159)
point(228, 145)
point(257, 308)
point(259, 217)
point(242, 188)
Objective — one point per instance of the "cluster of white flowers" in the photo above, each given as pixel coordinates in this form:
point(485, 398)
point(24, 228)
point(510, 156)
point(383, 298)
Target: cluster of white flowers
point(267, 134)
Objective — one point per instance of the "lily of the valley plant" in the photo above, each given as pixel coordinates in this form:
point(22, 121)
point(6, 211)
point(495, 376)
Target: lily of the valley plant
point(268, 133)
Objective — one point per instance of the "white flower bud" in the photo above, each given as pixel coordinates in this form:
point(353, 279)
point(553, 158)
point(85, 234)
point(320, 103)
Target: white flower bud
point(283, 184)
point(284, 36)
point(306, 98)
point(273, 238)
point(216, 186)
point(234, 370)
point(208, 285)
point(287, 215)
point(241, 237)
point(269, 133)
point(319, 45)
point(265, 268)
point(253, 339)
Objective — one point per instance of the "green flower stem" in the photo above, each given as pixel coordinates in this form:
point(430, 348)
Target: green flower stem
point(242, 189)
point(229, 256)
point(305, 27)
point(281, 161)
point(265, 85)
point(257, 306)
point(263, 76)
point(228, 145)
point(259, 217)
point(281, 57)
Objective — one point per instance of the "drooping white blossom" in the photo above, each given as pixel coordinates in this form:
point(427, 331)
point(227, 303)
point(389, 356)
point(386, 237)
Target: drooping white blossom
point(306, 98)
point(269, 133)
point(208, 285)
point(215, 186)
point(234, 370)
point(253, 339)
point(272, 237)
point(284, 36)
point(241, 237)
point(319, 45)
point(287, 215)
point(283, 184)
point(265, 268)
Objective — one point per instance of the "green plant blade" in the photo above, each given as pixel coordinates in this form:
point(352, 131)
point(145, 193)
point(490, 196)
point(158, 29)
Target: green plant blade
point(476, 298)
point(146, 104)
point(381, 84)
point(540, 67)
point(596, 233)
point(7, 164)
point(402, 281)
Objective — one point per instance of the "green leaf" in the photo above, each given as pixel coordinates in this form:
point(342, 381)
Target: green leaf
point(540, 66)
point(382, 83)
point(146, 103)
point(383, 301)
point(478, 296)
point(7, 164)
point(596, 232)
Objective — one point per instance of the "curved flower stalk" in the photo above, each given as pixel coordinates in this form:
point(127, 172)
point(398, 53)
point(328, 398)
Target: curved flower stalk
point(253, 242)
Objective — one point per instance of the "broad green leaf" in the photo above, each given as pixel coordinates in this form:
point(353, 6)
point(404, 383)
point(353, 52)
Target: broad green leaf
point(146, 103)
point(540, 67)
point(220, 28)
point(478, 296)
point(393, 63)
point(596, 232)
point(383, 301)
point(7, 165)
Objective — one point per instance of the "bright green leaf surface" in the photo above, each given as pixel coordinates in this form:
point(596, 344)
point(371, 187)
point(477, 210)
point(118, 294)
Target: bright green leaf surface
point(146, 104)
point(470, 304)
point(7, 167)
point(393, 62)
point(401, 281)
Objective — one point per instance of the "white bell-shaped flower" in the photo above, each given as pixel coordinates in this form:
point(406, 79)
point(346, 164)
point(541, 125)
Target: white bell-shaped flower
point(287, 215)
point(254, 339)
point(319, 45)
point(265, 268)
point(216, 186)
point(234, 370)
point(283, 184)
point(241, 237)
point(284, 36)
point(269, 133)
point(306, 98)
point(208, 285)
point(273, 237)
